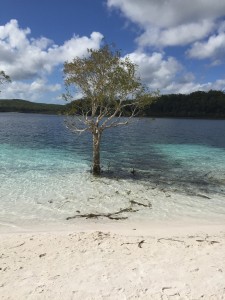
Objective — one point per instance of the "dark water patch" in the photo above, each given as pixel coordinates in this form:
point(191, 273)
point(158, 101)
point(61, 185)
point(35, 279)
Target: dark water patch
point(192, 183)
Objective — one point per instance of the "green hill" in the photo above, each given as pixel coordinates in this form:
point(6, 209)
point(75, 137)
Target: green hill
point(23, 106)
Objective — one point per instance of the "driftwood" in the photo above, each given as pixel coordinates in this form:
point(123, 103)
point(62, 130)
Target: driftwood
point(169, 239)
point(114, 215)
point(199, 240)
point(17, 246)
point(138, 243)
point(141, 204)
point(203, 196)
point(207, 241)
point(42, 255)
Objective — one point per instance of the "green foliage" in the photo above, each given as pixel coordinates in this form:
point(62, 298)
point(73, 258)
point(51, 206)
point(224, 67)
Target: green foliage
point(103, 78)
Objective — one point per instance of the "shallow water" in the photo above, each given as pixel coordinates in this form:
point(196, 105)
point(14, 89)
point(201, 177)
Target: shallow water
point(44, 170)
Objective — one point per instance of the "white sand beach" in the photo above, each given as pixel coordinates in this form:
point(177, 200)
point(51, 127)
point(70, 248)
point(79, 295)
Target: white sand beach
point(172, 246)
point(114, 260)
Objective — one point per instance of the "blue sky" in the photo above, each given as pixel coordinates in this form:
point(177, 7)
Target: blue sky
point(178, 45)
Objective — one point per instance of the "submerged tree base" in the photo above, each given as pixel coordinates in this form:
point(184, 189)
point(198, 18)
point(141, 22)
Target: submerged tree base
point(96, 171)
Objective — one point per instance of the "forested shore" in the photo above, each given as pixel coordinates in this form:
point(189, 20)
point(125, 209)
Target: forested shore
point(24, 106)
point(198, 104)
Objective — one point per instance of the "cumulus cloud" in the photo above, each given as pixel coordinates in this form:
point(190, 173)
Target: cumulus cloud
point(212, 48)
point(33, 91)
point(27, 59)
point(23, 58)
point(31, 61)
point(192, 86)
point(166, 74)
point(155, 70)
point(171, 22)
point(169, 13)
point(175, 36)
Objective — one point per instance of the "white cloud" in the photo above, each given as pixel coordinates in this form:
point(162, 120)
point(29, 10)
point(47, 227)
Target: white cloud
point(168, 75)
point(156, 71)
point(171, 22)
point(212, 48)
point(77, 46)
point(33, 91)
point(189, 87)
point(169, 13)
point(25, 58)
point(179, 35)
point(30, 61)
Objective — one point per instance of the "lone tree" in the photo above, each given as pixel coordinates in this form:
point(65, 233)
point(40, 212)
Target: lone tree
point(110, 90)
point(4, 78)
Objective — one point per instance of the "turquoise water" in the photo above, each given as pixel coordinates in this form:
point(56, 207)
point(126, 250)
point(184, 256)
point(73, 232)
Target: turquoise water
point(44, 169)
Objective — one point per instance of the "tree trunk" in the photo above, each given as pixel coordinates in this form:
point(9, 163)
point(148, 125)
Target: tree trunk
point(96, 169)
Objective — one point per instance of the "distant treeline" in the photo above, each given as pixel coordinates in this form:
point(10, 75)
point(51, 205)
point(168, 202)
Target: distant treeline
point(23, 106)
point(199, 104)
point(195, 105)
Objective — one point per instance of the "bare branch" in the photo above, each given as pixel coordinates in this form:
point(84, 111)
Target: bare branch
point(117, 122)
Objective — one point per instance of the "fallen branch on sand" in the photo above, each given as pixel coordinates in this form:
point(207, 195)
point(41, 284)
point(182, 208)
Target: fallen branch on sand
point(139, 243)
point(169, 239)
point(203, 196)
point(111, 216)
point(207, 241)
point(17, 246)
point(141, 204)
point(114, 215)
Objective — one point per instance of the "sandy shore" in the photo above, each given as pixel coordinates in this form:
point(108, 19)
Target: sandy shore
point(124, 261)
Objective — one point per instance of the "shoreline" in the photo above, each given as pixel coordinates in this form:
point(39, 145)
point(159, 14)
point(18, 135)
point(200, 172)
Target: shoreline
point(125, 227)
point(147, 209)
point(163, 258)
